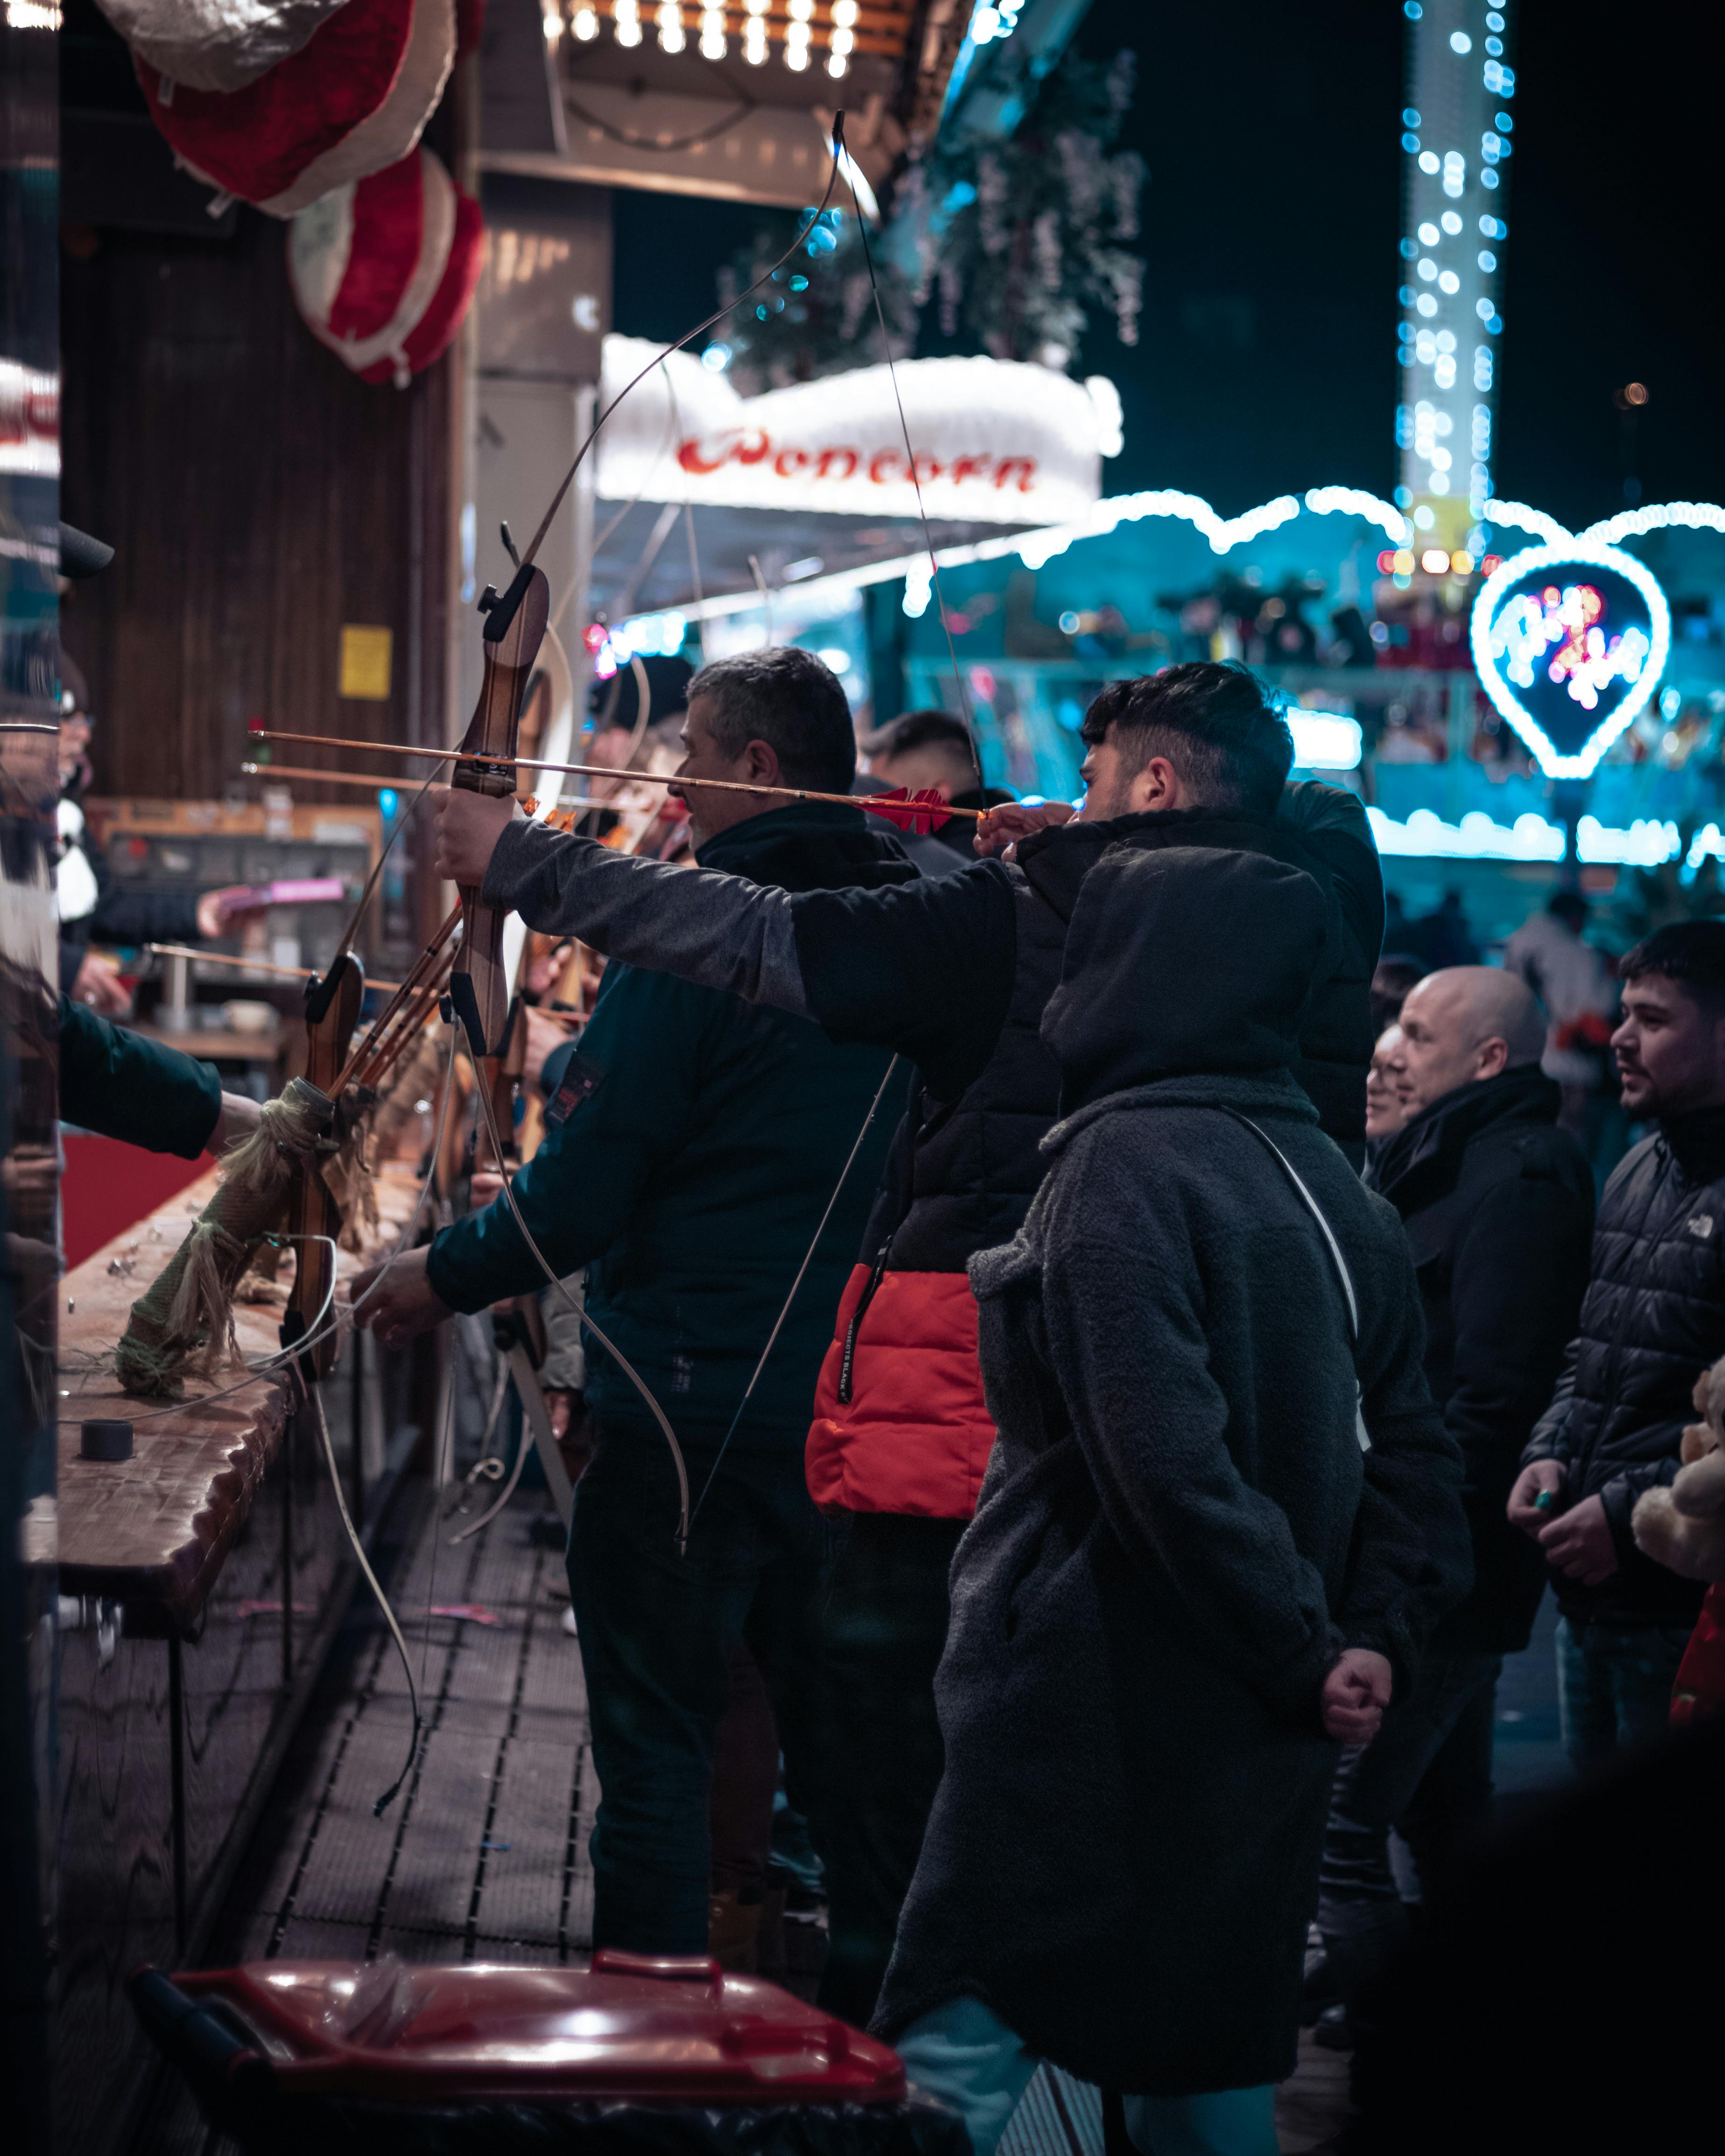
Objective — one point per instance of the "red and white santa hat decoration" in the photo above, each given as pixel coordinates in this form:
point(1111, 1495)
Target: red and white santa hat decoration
point(384, 267)
point(347, 100)
point(216, 44)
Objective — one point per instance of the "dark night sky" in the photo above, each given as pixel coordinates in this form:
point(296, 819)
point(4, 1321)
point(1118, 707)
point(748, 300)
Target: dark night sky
point(1271, 216)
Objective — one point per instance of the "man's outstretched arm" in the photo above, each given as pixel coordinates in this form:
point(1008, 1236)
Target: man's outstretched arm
point(924, 968)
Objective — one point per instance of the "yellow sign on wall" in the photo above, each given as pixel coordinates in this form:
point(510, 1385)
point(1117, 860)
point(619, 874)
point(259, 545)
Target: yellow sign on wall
point(366, 654)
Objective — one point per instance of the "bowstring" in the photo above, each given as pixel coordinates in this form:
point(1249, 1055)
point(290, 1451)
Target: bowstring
point(676, 345)
point(609, 1345)
point(785, 1310)
point(934, 570)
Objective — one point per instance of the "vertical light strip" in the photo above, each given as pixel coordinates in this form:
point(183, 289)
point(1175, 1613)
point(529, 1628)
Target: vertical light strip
point(626, 19)
point(1457, 128)
point(841, 39)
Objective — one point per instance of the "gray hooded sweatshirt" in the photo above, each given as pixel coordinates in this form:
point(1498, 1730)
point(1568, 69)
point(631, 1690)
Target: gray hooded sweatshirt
point(1178, 1531)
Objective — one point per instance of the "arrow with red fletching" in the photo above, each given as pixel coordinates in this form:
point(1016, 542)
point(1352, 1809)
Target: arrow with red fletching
point(920, 813)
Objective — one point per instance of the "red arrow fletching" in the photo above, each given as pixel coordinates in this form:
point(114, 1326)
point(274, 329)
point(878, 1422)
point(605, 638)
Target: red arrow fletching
point(920, 813)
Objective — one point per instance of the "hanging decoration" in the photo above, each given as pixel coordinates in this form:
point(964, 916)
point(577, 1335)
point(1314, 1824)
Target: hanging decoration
point(1009, 248)
point(383, 270)
point(351, 100)
point(217, 44)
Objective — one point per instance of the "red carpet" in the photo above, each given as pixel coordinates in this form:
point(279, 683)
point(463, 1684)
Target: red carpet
point(108, 1187)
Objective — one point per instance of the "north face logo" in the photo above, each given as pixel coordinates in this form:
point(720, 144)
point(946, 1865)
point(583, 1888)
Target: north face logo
point(1701, 1225)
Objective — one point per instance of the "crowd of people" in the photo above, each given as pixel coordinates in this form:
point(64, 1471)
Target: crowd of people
point(1138, 1366)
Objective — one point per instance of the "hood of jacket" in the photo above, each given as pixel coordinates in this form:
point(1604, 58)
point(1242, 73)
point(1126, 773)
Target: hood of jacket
point(1418, 1163)
point(810, 845)
point(1184, 960)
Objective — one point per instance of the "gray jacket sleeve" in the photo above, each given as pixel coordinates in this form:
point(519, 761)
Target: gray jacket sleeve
point(720, 931)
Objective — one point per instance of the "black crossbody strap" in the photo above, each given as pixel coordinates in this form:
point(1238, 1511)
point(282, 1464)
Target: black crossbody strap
point(1334, 1248)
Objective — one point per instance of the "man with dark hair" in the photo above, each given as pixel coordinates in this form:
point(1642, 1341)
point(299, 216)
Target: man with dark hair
point(785, 700)
point(1208, 719)
point(693, 1143)
point(1653, 1318)
point(953, 973)
point(930, 750)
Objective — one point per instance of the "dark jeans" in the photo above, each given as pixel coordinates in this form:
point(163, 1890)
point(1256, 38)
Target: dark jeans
point(1428, 1773)
point(885, 1628)
point(1615, 1684)
point(657, 1632)
point(745, 1781)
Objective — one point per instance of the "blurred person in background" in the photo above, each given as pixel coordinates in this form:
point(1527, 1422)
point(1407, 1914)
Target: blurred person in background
point(1550, 953)
point(1384, 1111)
point(91, 906)
point(1497, 1204)
point(1653, 1316)
point(933, 749)
point(1396, 973)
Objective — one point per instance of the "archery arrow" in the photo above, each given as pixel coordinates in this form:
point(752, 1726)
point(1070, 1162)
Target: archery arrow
point(925, 811)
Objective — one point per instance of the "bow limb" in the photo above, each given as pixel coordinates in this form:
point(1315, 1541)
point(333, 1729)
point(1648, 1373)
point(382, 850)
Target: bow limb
point(332, 1007)
point(515, 626)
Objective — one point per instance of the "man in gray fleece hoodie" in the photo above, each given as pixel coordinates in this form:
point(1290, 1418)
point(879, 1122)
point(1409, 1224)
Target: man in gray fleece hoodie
point(1220, 1519)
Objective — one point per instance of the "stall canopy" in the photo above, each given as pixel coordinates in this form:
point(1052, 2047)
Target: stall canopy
point(814, 478)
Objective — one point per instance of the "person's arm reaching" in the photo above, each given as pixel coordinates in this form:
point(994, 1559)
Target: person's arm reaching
point(924, 968)
point(124, 1086)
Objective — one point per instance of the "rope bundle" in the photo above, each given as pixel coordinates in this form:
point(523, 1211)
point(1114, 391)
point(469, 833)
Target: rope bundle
point(184, 1322)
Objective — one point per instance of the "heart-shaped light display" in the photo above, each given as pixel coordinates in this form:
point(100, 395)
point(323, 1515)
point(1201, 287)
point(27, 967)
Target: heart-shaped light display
point(1569, 642)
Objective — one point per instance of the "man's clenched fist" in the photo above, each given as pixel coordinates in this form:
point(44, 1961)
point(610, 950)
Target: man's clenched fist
point(469, 826)
point(397, 1301)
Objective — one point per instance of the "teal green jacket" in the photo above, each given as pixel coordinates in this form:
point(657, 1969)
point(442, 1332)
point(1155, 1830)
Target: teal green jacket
point(692, 1142)
point(124, 1086)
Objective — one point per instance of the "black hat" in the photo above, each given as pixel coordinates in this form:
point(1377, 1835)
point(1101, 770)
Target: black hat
point(81, 556)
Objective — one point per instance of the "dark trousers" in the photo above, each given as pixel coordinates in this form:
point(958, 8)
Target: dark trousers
point(1428, 1772)
point(657, 1633)
point(885, 1626)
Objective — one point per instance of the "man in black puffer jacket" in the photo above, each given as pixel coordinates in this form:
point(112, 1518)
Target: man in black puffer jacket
point(1653, 1319)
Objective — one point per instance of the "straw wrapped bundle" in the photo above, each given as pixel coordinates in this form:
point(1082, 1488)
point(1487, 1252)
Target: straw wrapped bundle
point(184, 1322)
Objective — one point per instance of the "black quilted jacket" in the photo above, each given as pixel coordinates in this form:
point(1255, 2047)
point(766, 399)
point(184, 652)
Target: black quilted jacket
point(1652, 1319)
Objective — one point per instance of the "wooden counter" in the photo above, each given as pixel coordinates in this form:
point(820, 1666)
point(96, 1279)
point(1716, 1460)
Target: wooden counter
point(201, 1585)
point(152, 1531)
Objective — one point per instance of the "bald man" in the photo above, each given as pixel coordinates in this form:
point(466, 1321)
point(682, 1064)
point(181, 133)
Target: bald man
point(1498, 1205)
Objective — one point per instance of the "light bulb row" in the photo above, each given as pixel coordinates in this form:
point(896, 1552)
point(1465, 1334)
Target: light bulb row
point(671, 21)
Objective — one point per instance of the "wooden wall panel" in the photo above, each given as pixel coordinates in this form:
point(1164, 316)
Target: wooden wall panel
point(259, 495)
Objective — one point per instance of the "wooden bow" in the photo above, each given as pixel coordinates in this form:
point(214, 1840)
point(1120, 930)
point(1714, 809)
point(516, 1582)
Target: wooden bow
point(313, 1223)
point(515, 626)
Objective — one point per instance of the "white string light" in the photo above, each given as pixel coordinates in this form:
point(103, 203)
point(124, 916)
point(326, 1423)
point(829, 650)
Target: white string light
point(713, 44)
point(754, 34)
point(626, 17)
point(841, 39)
point(670, 18)
point(585, 23)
